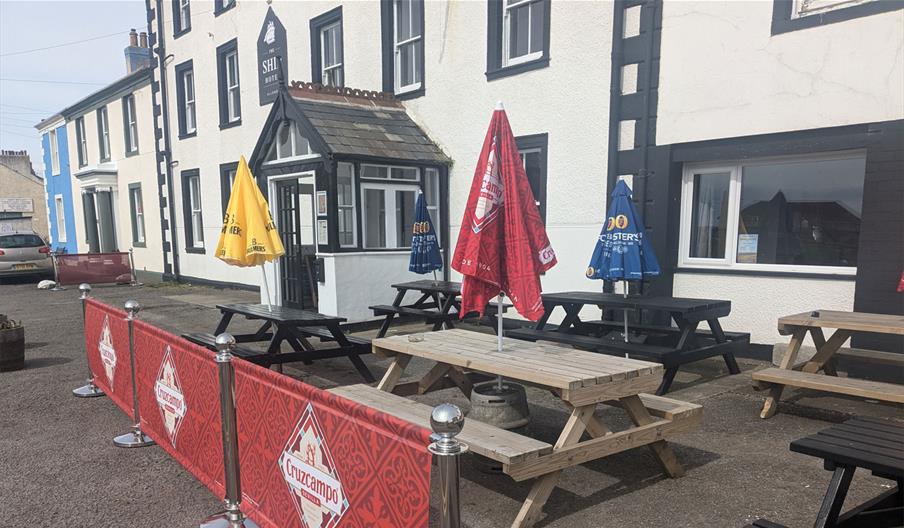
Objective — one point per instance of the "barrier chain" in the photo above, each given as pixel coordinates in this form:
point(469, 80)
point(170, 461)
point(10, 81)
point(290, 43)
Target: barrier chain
point(89, 390)
point(134, 438)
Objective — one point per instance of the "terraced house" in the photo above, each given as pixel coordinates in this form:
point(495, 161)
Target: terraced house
point(762, 139)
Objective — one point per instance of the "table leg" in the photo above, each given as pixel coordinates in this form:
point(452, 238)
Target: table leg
point(819, 339)
point(834, 498)
point(716, 328)
point(572, 316)
point(640, 416)
point(388, 321)
point(547, 312)
point(771, 404)
point(459, 378)
point(532, 508)
point(394, 372)
point(667, 378)
point(447, 319)
point(224, 322)
point(825, 352)
point(431, 377)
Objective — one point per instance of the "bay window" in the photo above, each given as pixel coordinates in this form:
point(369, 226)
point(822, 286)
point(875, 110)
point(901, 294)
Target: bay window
point(345, 191)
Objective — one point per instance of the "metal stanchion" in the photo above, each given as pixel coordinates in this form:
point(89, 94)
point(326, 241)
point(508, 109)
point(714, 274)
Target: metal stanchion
point(56, 273)
point(134, 438)
point(89, 390)
point(132, 269)
point(447, 421)
point(232, 517)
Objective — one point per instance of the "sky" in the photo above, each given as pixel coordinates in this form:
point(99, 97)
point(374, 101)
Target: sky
point(66, 73)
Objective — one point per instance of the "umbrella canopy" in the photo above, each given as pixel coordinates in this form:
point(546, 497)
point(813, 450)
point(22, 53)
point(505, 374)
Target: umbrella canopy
point(502, 246)
point(249, 236)
point(425, 255)
point(622, 251)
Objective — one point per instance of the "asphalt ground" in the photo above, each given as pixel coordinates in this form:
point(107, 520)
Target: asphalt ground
point(59, 468)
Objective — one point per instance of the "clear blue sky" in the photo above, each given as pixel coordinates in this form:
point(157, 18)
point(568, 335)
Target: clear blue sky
point(27, 25)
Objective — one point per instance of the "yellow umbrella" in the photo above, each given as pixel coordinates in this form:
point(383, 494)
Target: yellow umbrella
point(249, 236)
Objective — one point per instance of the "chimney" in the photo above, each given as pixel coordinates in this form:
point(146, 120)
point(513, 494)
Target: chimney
point(137, 57)
point(143, 39)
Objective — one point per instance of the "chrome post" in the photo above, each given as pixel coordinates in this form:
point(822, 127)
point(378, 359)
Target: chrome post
point(232, 517)
point(132, 269)
point(89, 390)
point(447, 421)
point(134, 438)
point(56, 273)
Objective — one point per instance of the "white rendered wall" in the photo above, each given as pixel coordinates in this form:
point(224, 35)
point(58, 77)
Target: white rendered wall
point(722, 74)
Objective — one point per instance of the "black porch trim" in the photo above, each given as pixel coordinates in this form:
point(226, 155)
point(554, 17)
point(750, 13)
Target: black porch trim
point(223, 285)
point(767, 273)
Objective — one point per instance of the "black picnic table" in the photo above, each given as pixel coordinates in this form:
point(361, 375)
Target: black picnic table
point(435, 304)
point(671, 346)
point(293, 326)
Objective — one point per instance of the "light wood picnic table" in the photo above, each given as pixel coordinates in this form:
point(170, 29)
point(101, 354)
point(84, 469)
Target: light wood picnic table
point(790, 372)
point(581, 379)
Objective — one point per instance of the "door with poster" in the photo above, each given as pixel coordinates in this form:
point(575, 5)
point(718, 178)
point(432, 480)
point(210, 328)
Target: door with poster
point(295, 220)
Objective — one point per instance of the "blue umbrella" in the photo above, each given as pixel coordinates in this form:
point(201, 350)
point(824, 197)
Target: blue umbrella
point(425, 256)
point(623, 251)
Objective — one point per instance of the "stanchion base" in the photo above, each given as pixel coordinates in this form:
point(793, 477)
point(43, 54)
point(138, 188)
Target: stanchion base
point(133, 439)
point(88, 391)
point(221, 520)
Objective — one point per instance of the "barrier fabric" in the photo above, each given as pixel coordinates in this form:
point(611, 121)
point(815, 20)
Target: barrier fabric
point(94, 268)
point(179, 396)
point(107, 346)
point(311, 459)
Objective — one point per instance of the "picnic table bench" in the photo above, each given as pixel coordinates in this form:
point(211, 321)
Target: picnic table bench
point(582, 380)
point(670, 346)
point(806, 374)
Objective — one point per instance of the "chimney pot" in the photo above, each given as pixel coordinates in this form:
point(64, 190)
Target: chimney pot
point(143, 39)
point(133, 38)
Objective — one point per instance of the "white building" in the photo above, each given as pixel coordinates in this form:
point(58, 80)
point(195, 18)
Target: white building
point(699, 92)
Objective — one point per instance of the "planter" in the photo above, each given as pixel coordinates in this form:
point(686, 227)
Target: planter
point(12, 349)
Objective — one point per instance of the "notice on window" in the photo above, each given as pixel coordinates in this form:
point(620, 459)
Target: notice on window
point(323, 236)
point(747, 245)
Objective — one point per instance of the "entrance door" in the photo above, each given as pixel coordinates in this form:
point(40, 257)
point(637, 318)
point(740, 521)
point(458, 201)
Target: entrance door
point(295, 221)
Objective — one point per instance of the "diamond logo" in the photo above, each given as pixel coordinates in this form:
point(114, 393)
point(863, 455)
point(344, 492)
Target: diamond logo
point(168, 392)
point(311, 476)
point(107, 352)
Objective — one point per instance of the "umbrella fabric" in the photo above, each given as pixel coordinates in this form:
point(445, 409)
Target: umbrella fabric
point(502, 245)
point(622, 252)
point(425, 255)
point(249, 236)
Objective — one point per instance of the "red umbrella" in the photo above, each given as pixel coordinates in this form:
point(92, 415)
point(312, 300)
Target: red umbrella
point(502, 246)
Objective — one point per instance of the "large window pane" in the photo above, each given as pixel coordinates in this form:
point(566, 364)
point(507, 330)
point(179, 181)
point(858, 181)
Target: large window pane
point(375, 218)
point(536, 27)
point(518, 33)
point(802, 212)
point(403, 20)
point(404, 204)
point(709, 216)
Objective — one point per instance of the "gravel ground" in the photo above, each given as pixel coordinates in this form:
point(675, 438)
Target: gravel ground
point(58, 466)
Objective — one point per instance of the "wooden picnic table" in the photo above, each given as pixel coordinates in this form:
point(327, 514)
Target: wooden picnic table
point(581, 379)
point(807, 374)
point(281, 324)
point(671, 346)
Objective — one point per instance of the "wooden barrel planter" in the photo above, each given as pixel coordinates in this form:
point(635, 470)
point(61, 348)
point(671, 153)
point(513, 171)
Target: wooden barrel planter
point(12, 349)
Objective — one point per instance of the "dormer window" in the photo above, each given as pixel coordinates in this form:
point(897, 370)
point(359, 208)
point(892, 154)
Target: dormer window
point(289, 144)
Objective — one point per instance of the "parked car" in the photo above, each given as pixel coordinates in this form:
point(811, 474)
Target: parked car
point(23, 254)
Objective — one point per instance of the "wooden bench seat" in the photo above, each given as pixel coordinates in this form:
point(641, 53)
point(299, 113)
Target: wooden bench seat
point(210, 341)
point(853, 387)
point(325, 335)
point(593, 343)
point(486, 440)
point(430, 315)
point(876, 357)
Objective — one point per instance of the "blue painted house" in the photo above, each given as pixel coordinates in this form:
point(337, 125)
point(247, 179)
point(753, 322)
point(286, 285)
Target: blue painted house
point(58, 184)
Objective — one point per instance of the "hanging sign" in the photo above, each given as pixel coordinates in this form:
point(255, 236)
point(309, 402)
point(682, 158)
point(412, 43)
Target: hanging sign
point(271, 43)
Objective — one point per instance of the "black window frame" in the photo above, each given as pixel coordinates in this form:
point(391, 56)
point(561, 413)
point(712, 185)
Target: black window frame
point(219, 9)
point(541, 142)
point(180, 70)
point(223, 50)
point(495, 21)
point(100, 134)
point(133, 216)
point(387, 30)
point(784, 22)
point(185, 175)
point(225, 189)
point(81, 140)
point(128, 101)
point(317, 24)
point(179, 28)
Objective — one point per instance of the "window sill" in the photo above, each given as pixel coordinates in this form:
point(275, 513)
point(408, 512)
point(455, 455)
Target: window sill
point(516, 69)
point(188, 135)
point(411, 94)
point(129, 154)
point(139, 245)
point(195, 250)
point(769, 273)
point(219, 11)
point(224, 126)
point(178, 34)
point(104, 160)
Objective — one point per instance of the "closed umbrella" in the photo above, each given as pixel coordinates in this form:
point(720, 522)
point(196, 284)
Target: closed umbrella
point(623, 251)
point(502, 246)
point(249, 236)
point(425, 256)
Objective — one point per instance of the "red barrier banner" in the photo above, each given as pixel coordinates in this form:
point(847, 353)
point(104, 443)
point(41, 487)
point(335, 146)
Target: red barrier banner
point(311, 459)
point(107, 346)
point(94, 268)
point(178, 391)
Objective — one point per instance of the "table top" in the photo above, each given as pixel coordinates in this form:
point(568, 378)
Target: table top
point(543, 364)
point(853, 321)
point(427, 285)
point(280, 314)
point(615, 300)
point(868, 443)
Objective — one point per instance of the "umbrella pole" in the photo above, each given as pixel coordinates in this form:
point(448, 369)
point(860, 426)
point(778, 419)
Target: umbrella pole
point(499, 335)
point(266, 287)
point(625, 312)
